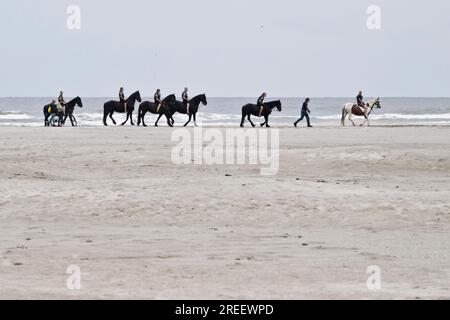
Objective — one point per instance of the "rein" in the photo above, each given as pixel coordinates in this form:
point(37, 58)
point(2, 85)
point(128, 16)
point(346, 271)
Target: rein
point(371, 109)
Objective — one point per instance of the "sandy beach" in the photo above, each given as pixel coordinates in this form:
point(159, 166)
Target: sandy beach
point(111, 201)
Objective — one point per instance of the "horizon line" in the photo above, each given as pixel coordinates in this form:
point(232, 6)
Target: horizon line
point(246, 97)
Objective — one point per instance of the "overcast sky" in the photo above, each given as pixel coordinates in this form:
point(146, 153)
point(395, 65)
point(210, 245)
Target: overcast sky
point(289, 48)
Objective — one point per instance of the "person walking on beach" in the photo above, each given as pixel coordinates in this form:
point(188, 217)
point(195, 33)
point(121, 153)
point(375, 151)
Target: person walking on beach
point(185, 98)
point(122, 99)
point(158, 100)
point(260, 103)
point(360, 101)
point(305, 114)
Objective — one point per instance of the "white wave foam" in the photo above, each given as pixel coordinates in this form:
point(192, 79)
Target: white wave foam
point(15, 116)
point(396, 116)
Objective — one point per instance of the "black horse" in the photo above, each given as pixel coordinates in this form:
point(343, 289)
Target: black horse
point(70, 106)
point(167, 104)
point(51, 109)
point(252, 109)
point(194, 103)
point(115, 106)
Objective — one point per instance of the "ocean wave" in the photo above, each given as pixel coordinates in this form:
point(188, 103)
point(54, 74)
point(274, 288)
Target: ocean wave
point(14, 116)
point(395, 116)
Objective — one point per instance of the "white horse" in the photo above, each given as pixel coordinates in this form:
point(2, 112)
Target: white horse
point(350, 109)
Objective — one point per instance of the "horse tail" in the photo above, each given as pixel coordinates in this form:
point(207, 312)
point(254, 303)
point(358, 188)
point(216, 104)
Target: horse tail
point(343, 115)
point(139, 114)
point(105, 113)
point(245, 110)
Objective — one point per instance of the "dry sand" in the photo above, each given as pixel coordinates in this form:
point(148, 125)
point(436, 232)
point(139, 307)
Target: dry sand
point(111, 201)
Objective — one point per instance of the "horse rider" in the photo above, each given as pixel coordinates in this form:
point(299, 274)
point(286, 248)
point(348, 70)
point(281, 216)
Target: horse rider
point(158, 101)
point(185, 98)
point(360, 101)
point(305, 113)
point(122, 99)
point(61, 98)
point(59, 108)
point(260, 103)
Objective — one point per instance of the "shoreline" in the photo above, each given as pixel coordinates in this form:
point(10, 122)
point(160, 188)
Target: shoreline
point(321, 124)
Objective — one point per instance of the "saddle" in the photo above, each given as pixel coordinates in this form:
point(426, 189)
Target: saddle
point(358, 111)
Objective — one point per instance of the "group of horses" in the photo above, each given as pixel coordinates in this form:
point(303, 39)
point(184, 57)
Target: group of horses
point(170, 105)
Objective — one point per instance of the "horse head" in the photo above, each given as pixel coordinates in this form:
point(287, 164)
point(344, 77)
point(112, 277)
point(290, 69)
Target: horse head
point(203, 99)
point(278, 105)
point(135, 97)
point(79, 102)
point(375, 104)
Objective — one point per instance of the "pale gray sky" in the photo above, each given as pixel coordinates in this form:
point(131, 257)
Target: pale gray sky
point(225, 48)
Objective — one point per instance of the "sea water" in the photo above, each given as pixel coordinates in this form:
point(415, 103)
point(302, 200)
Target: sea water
point(227, 111)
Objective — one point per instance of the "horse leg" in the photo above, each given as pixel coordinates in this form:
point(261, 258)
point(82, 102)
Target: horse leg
point(267, 121)
point(142, 118)
point(168, 121)
point(131, 118)
point(350, 118)
point(250, 120)
point(157, 120)
point(126, 120)
point(242, 120)
point(190, 117)
point(195, 119)
point(110, 116)
point(365, 121)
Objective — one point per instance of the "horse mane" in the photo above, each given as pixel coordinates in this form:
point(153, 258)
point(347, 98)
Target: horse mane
point(73, 101)
point(133, 95)
point(372, 102)
point(198, 97)
point(169, 97)
point(273, 102)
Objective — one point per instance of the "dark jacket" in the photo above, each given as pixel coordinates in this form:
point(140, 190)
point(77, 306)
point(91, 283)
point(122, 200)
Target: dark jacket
point(157, 98)
point(260, 101)
point(185, 98)
point(305, 107)
point(360, 100)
